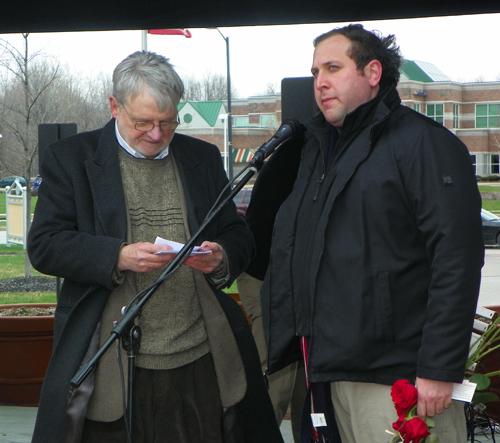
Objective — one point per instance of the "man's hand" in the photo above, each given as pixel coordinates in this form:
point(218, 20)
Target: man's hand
point(206, 263)
point(141, 257)
point(433, 397)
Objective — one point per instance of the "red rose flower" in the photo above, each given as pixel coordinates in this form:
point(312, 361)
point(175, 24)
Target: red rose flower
point(397, 424)
point(414, 430)
point(404, 395)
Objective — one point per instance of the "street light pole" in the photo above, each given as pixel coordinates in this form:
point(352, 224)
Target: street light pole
point(229, 115)
point(223, 117)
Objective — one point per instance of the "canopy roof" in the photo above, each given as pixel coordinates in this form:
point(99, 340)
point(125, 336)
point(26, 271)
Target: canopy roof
point(422, 72)
point(100, 15)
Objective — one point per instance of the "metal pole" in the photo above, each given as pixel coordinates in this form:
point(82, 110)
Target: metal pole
point(226, 156)
point(144, 40)
point(229, 115)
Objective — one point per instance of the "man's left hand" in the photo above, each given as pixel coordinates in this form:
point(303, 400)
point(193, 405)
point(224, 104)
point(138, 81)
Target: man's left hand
point(433, 397)
point(206, 263)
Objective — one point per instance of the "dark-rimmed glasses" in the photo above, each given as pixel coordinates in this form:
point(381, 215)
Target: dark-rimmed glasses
point(149, 126)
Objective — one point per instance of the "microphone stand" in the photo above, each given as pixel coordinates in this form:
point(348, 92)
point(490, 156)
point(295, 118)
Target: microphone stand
point(130, 332)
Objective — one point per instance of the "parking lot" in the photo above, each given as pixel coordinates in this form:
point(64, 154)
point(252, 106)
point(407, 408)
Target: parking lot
point(489, 294)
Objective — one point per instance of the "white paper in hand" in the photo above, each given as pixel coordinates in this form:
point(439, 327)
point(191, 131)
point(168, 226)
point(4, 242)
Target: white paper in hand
point(176, 247)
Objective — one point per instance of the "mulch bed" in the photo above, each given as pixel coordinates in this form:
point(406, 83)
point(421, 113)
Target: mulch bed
point(28, 284)
point(26, 312)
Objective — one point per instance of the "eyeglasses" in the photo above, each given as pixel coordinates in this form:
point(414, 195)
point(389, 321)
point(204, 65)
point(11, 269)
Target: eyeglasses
point(149, 126)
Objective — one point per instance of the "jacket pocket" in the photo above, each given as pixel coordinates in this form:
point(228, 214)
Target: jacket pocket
point(384, 315)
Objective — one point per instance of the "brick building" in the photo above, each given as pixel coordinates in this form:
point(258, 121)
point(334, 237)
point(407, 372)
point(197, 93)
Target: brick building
point(470, 110)
point(254, 121)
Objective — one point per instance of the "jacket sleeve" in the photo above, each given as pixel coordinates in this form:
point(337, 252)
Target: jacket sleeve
point(65, 240)
point(443, 193)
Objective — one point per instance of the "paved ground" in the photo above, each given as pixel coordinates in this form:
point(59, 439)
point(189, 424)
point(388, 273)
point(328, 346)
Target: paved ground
point(489, 294)
point(16, 425)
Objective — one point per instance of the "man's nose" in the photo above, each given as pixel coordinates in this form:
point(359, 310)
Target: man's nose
point(156, 133)
point(320, 81)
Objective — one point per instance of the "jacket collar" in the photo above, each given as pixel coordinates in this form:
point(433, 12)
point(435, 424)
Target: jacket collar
point(369, 113)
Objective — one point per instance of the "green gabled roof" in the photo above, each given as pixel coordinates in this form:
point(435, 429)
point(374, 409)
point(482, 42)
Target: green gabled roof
point(209, 111)
point(422, 72)
point(413, 72)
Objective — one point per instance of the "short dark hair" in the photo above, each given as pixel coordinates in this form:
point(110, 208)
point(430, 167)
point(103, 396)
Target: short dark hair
point(370, 45)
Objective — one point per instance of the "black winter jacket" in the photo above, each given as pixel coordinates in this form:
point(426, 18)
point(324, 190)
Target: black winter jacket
point(394, 251)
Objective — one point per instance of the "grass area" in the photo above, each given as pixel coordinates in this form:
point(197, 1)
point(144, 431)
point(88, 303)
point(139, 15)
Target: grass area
point(232, 289)
point(491, 205)
point(489, 188)
point(9, 298)
point(11, 266)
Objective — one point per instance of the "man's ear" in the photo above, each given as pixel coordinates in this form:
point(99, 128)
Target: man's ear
point(373, 71)
point(113, 102)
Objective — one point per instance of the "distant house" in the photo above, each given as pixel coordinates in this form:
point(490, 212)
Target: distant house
point(254, 121)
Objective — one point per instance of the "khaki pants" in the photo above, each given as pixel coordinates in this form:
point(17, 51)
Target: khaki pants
point(288, 386)
point(365, 410)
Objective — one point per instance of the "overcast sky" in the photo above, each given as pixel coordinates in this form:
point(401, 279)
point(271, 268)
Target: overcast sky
point(465, 48)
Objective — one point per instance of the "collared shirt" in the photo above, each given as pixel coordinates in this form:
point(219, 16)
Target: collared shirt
point(132, 152)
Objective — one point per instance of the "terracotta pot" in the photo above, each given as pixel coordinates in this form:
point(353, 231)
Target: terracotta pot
point(25, 351)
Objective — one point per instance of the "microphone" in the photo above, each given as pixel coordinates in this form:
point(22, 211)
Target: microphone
point(288, 129)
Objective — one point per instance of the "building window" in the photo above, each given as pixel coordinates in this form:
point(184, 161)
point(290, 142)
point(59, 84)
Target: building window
point(268, 121)
point(483, 164)
point(455, 116)
point(240, 122)
point(473, 161)
point(488, 116)
point(436, 112)
point(495, 164)
point(416, 107)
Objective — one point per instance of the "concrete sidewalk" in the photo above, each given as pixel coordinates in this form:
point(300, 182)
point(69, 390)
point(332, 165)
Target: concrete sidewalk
point(16, 425)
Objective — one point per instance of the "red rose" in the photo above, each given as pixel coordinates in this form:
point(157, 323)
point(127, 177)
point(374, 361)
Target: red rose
point(397, 424)
point(414, 430)
point(404, 395)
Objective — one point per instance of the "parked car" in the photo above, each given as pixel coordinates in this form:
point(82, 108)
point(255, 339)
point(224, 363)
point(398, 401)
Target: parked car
point(242, 199)
point(491, 228)
point(7, 181)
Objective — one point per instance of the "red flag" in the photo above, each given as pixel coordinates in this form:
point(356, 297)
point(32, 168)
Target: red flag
point(182, 31)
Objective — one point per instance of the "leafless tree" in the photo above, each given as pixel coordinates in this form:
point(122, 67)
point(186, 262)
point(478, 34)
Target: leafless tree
point(192, 89)
point(30, 82)
point(271, 89)
point(211, 87)
point(35, 89)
